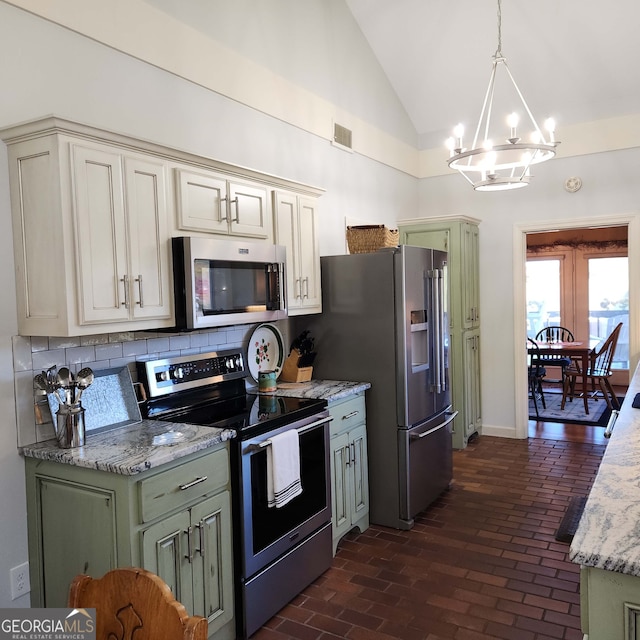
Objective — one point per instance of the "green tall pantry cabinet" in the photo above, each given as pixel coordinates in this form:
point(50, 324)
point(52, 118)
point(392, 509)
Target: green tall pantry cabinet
point(459, 238)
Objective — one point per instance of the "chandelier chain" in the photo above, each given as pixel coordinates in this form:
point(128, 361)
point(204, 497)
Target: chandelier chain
point(499, 49)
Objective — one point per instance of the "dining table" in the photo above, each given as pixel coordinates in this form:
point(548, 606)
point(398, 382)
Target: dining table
point(577, 349)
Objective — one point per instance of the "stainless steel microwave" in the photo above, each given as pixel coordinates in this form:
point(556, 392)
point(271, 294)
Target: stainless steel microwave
point(225, 282)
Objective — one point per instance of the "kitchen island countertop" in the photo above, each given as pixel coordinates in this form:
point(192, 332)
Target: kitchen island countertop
point(608, 536)
point(133, 449)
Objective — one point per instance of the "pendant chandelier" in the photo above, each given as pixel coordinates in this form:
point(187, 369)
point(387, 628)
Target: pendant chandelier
point(496, 167)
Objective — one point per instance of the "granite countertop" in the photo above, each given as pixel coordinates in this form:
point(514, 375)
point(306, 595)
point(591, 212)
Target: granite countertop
point(608, 536)
point(148, 444)
point(132, 449)
point(329, 390)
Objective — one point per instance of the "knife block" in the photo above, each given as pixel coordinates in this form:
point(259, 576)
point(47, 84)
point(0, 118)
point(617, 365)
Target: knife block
point(291, 372)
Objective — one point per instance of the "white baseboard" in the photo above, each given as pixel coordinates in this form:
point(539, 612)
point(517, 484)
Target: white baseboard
point(499, 432)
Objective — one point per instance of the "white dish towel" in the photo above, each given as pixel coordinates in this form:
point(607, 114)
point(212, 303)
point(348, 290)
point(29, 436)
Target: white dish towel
point(283, 468)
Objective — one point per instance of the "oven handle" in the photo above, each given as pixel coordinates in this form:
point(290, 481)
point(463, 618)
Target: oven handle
point(307, 427)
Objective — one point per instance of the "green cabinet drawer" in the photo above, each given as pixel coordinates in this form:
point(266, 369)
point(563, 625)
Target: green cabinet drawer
point(347, 413)
point(174, 488)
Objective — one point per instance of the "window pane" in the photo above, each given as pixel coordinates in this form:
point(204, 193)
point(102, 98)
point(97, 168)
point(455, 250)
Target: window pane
point(609, 303)
point(543, 295)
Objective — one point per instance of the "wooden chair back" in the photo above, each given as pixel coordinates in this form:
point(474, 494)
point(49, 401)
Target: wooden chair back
point(602, 358)
point(132, 601)
point(554, 334)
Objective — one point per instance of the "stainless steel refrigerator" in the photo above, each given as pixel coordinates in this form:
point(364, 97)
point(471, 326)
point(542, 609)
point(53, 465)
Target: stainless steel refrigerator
point(384, 321)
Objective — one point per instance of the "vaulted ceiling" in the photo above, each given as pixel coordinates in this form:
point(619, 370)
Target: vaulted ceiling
point(575, 60)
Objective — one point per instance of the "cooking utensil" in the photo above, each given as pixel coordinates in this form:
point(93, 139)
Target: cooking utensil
point(84, 378)
point(65, 380)
point(41, 383)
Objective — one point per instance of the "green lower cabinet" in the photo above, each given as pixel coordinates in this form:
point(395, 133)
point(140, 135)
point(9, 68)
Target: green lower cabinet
point(609, 605)
point(349, 468)
point(187, 550)
point(68, 551)
point(174, 521)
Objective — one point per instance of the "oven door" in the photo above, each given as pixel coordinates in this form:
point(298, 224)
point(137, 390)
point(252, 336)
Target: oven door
point(269, 532)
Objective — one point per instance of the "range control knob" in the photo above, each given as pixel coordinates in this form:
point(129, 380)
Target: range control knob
point(178, 373)
point(230, 364)
point(163, 376)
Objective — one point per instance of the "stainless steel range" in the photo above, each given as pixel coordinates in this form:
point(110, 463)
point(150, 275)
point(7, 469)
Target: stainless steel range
point(277, 551)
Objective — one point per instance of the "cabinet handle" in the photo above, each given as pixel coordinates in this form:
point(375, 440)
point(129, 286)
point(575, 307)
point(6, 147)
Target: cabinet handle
point(189, 555)
point(306, 281)
point(299, 287)
point(224, 218)
point(237, 218)
point(352, 446)
point(125, 281)
point(347, 457)
point(350, 415)
point(200, 528)
point(139, 281)
point(188, 485)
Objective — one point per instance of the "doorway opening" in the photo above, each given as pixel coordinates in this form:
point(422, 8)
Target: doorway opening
point(579, 279)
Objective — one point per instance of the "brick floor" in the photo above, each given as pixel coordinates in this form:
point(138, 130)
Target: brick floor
point(481, 563)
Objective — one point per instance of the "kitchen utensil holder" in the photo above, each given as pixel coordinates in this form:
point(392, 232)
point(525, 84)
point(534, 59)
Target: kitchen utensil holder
point(70, 431)
point(291, 372)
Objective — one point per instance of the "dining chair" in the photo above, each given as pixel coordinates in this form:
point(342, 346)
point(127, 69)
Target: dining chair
point(132, 601)
point(536, 374)
point(555, 334)
point(598, 373)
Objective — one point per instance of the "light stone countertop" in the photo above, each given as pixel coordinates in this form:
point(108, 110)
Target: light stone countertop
point(329, 390)
point(148, 444)
point(135, 448)
point(608, 536)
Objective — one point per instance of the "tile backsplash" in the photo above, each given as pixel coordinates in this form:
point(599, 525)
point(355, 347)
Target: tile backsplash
point(32, 355)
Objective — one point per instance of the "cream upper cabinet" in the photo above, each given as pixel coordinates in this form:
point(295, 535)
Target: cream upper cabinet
point(94, 212)
point(296, 220)
point(91, 240)
point(121, 218)
point(209, 202)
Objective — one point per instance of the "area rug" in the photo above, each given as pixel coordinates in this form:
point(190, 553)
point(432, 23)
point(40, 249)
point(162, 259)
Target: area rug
point(573, 412)
point(571, 519)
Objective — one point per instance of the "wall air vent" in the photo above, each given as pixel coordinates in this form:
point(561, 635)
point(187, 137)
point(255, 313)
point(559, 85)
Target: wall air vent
point(342, 137)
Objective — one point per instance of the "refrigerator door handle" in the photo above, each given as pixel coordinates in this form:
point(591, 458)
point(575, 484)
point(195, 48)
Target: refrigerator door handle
point(450, 418)
point(439, 377)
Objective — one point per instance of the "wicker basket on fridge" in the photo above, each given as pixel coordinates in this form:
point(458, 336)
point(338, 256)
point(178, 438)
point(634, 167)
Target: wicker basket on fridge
point(370, 237)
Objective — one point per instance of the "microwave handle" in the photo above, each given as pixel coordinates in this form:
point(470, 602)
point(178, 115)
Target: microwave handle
point(273, 286)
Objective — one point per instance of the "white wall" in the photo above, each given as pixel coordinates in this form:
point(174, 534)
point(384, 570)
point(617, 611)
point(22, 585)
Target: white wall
point(47, 69)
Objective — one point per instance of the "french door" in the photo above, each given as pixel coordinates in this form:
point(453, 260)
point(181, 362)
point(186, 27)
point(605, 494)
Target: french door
point(584, 289)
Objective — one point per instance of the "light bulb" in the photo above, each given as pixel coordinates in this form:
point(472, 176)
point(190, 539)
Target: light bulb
point(550, 126)
point(512, 121)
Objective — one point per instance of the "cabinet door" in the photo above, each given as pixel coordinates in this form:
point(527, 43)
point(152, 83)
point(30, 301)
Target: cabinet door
point(471, 355)
point(202, 202)
point(341, 502)
point(469, 257)
point(149, 295)
point(101, 242)
point(167, 549)
point(309, 255)
point(87, 546)
point(286, 217)
point(359, 474)
point(213, 561)
point(249, 211)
